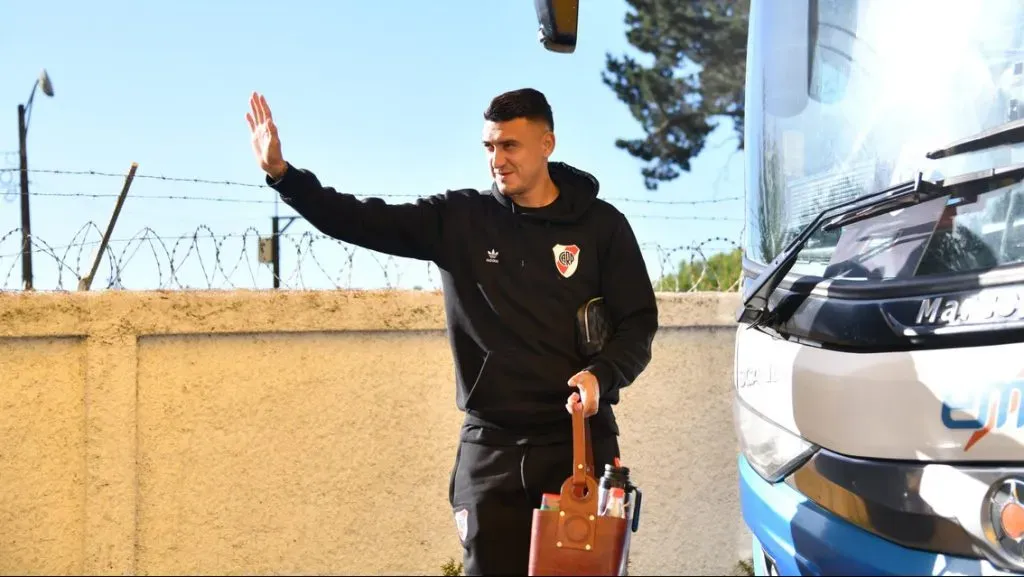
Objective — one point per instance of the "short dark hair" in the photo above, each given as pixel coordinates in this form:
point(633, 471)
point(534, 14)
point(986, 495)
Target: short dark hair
point(525, 103)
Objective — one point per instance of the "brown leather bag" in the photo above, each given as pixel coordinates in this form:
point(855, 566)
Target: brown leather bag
point(574, 540)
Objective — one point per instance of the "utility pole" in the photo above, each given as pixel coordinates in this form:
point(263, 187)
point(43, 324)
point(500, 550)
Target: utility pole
point(24, 112)
point(270, 248)
point(275, 247)
point(26, 224)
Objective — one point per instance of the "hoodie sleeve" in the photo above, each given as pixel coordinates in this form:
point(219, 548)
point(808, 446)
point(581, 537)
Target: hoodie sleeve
point(412, 230)
point(632, 309)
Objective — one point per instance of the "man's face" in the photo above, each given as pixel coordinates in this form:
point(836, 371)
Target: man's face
point(517, 152)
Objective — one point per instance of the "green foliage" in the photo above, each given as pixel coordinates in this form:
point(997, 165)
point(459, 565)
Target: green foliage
point(719, 273)
point(450, 567)
point(696, 78)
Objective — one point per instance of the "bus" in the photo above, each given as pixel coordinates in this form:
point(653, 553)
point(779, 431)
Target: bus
point(877, 402)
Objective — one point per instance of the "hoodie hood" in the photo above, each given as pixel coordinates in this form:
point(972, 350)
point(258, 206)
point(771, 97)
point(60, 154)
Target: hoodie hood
point(577, 191)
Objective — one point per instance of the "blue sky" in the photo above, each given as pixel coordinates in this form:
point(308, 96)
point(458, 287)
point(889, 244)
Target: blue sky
point(377, 98)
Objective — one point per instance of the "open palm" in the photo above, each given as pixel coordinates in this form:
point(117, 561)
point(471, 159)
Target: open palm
point(265, 143)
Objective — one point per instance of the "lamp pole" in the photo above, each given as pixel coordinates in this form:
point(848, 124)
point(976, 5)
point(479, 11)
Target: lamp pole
point(24, 113)
point(26, 223)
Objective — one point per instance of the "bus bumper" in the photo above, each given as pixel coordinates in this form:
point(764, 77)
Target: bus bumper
point(794, 536)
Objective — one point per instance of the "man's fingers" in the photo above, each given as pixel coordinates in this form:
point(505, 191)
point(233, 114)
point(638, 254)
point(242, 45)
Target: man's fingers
point(251, 121)
point(260, 108)
point(266, 108)
point(590, 407)
point(255, 106)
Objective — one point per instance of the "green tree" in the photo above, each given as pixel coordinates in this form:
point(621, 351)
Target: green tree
point(450, 567)
point(719, 273)
point(695, 80)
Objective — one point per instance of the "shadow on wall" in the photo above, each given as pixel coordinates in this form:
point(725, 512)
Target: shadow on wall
point(677, 437)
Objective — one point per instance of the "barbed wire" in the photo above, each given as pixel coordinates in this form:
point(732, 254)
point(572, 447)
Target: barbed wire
point(308, 260)
point(232, 183)
point(203, 259)
point(692, 217)
point(693, 268)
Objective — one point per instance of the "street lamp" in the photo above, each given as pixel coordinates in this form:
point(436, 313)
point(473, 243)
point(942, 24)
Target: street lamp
point(24, 113)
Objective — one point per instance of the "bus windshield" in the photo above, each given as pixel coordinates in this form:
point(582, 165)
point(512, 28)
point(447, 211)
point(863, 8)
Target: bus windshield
point(846, 97)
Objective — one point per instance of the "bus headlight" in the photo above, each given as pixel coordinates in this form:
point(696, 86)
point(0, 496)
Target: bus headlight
point(772, 451)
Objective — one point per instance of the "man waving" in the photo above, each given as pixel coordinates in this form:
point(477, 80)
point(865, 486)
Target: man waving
point(519, 264)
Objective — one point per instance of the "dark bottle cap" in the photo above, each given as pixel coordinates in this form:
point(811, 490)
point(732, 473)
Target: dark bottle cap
point(614, 477)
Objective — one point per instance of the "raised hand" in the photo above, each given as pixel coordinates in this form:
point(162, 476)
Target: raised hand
point(265, 143)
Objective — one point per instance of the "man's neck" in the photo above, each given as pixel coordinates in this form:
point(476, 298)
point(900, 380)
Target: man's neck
point(539, 196)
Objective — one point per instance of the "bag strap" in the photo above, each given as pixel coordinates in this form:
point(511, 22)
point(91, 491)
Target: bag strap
point(579, 491)
point(582, 450)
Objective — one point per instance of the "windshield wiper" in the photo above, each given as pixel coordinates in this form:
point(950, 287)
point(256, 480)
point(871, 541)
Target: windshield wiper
point(964, 184)
point(1009, 133)
point(756, 309)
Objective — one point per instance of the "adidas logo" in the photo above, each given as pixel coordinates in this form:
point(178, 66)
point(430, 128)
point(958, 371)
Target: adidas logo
point(492, 256)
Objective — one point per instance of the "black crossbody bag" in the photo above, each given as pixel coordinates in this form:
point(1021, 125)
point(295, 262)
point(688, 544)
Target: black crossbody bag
point(593, 328)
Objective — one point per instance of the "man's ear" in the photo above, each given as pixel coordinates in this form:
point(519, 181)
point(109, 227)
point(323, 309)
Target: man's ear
point(548, 143)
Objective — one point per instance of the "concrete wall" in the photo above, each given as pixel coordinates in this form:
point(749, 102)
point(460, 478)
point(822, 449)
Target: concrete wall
point(306, 432)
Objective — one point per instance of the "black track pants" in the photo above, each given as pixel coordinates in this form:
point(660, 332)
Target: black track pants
point(494, 490)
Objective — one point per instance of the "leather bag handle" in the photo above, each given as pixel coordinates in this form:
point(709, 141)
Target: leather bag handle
point(577, 517)
point(582, 450)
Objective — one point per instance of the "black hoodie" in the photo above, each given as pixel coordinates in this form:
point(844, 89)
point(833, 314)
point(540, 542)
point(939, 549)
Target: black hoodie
point(511, 292)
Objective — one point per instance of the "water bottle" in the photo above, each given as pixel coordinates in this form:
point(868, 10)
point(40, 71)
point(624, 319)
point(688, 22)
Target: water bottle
point(615, 477)
point(615, 485)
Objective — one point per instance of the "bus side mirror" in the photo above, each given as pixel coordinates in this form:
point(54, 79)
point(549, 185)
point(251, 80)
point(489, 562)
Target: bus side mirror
point(558, 21)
